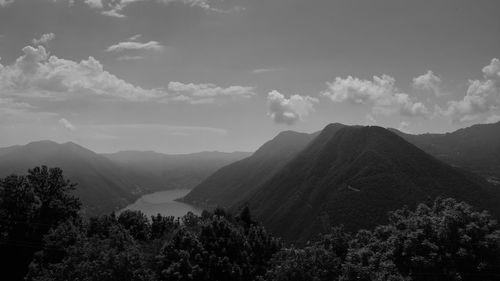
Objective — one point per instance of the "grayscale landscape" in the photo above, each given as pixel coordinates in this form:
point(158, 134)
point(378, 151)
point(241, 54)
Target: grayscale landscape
point(249, 140)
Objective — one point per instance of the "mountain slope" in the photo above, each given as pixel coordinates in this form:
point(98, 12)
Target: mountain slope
point(476, 148)
point(163, 171)
point(235, 182)
point(354, 176)
point(102, 186)
point(109, 182)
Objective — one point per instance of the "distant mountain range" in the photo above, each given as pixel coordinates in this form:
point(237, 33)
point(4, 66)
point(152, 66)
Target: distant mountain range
point(476, 148)
point(351, 175)
point(107, 182)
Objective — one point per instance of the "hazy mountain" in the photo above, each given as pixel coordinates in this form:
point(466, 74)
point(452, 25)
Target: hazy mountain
point(476, 148)
point(354, 176)
point(108, 182)
point(165, 171)
point(102, 185)
point(237, 180)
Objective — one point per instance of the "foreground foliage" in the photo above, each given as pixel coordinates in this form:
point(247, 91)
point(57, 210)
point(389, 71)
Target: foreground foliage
point(43, 235)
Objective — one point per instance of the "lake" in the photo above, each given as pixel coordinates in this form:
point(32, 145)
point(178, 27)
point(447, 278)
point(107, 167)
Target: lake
point(163, 202)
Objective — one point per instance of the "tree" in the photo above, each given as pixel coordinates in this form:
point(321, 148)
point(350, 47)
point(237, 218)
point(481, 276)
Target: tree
point(29, 207)
point(136, 223)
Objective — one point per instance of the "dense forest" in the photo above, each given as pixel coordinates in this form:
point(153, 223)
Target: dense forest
point(43, 237)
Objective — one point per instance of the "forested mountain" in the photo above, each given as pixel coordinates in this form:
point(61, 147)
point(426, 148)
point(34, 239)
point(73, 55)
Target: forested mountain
point(109, 182)
point(476, 148)
point(166, 171)
point(102, 185)
point(354, 176)
point(43, 237)
point(349, 175)
point(236, 181)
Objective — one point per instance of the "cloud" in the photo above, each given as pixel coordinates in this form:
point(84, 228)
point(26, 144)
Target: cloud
point(20, 112)
point(135, 37)
point(288, 111)
point(482, 96)
point(371, 119)
point(5, 3)
point(44, 39)
point(123, 46)
point(403, 127)
point(205, 93)
point(128, 58)
point(66, 124)
point(116, 8)
point(493, 118)
point(430, 82)
point(265, 70)
point(36, 73)
point(381, 94)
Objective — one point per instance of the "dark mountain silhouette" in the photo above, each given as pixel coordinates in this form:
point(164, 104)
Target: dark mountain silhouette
point(354, 176)
point(109, 182)
point(236, 181)
point(476, 148)
point(165, 171)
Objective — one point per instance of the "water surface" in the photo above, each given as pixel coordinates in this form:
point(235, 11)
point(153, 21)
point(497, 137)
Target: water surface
point(163, 202)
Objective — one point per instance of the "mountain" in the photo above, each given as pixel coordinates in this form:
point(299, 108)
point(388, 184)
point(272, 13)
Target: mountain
point(163, 171)
point(354, 176)
point(236, 181)
point(102, 186)
point(476, 148)
point(109, 182)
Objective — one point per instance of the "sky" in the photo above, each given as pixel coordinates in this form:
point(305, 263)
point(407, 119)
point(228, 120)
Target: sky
point(179, 76)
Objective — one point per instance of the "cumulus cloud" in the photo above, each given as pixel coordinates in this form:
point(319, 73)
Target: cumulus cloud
point(36, 73)
point(482, 96)
point(67, 125)
point(428, 81)
point(44, 39)
point(288, 111)
point(381, 94)
point(205, 93)
point(123, 46)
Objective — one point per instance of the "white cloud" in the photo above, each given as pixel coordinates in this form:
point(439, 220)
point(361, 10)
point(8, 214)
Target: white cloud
point(493, 118)
point(115, 8)
point(113, 13)
point(135, 37)
point(482, 96)
point(44, 39)
point(209, 90)
point(288, 111)
point(381, 94)
point(66, 124)
point(4, 3)
point(428, 81)
point(403, 127)
point(122, 46)
point(36, 73)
